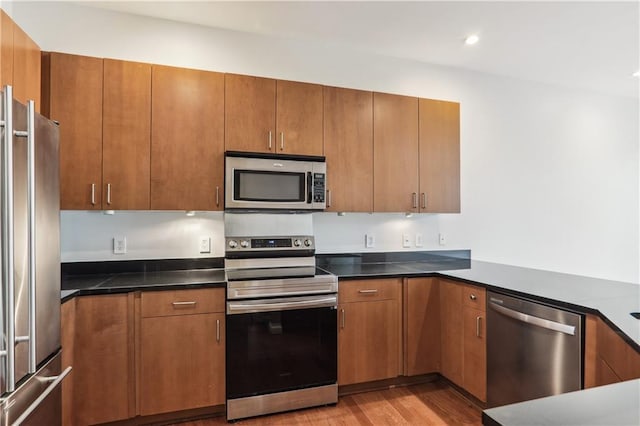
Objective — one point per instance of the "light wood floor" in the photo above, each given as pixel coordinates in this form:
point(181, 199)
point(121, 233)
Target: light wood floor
point(426, 404)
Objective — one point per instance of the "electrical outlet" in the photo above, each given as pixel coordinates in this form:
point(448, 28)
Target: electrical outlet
point(204, 245)
point(369, 241)
point(119, 245)
point(406, 240)
point(418, 240)
point(442, 239)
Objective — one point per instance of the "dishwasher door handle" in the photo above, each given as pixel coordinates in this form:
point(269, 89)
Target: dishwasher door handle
point(530, 319)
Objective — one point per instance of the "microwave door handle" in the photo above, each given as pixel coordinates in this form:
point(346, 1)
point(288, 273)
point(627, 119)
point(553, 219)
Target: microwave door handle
point(309, 187)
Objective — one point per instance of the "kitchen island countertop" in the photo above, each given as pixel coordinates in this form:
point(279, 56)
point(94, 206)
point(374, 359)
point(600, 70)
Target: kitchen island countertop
point(615, 404)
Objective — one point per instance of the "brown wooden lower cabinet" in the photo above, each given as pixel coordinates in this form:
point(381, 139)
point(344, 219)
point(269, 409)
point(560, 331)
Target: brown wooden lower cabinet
point(608, 358)
point(102, 375)
point(368, 331)
point(421, 326)
point(463, 337)
point(182, 358)
point(127, 364)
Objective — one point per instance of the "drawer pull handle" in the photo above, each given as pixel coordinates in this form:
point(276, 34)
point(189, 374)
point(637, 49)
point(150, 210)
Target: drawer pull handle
point(343, 318)
point(478, 327)
point(217, 330)
point(473, 297)
point(183, 303)
point(373, 291)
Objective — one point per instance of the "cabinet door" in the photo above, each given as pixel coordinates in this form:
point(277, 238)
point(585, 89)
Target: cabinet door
point(439, 156)
point(475, 352)
point(75, 101)
point(67, 340)
point(368, 341)
point(451, 331)
point(422, 326)
point(395, 153)
point(187, 146)
point(299, 118)
point(26, 68)
point(348, 147)
point(182, 362)
point(126, 135)
point(103, 379)
point(6, 49)
point(250, 113)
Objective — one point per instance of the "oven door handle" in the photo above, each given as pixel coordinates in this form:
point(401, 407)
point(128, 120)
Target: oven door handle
point(271, 305)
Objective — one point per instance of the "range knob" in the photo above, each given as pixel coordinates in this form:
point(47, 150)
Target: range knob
point(297, 243)
point(307, 242)
point(244, 243)
point(232, 244)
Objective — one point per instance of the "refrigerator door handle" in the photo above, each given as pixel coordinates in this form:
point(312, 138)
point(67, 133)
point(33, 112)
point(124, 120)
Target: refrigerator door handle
point(8, 273)
point(54, 382)
point(31, 209)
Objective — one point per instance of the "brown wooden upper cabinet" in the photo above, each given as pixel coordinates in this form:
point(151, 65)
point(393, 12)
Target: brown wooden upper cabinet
point(126, 135)
point(265, 115)
point(72, 95)
point(187, 144)
point(395, 153)
point(439, 148)
point(104, 110)
point(19, 62)
point(348, 147)
point(416, 155)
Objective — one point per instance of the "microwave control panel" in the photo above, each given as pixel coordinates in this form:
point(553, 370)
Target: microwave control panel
point(318, 187)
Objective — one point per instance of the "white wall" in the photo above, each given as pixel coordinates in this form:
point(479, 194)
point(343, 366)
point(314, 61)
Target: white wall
point(549, 175)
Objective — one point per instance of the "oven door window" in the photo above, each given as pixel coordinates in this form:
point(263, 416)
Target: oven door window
point(280, 351)
point(268, 186)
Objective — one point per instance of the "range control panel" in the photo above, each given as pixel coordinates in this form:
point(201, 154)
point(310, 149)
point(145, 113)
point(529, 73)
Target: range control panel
point(302, 242)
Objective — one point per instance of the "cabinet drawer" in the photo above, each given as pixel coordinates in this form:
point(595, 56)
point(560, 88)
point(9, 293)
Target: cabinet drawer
point(474, 297)
point(182, 302)
point(364, 290)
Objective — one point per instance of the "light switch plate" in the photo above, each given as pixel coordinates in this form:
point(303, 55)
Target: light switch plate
point(369, 241)
point(406, 240)
point(204, 245)
point(119, 245)
point(442, 239)
point(418, 240)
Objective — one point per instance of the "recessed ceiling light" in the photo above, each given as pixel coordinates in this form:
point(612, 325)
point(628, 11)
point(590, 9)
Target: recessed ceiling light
point(636, 74)
point(472, 39)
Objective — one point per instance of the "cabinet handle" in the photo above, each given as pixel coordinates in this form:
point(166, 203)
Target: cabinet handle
point(217, 330)
point(343, 316)
point(217, 196)
point(108, 193)
point(478, 327)
point(281, 141)
point(473, 297)
point(270, 134)
point(93, 194)
point(183, 303)
point(372, 291)
point(424, 200)
point(328, 198)
point(414, 196)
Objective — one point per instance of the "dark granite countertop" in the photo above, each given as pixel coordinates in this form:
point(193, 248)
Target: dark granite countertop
point(120, 277)
point(613, 300)
point(617, 404)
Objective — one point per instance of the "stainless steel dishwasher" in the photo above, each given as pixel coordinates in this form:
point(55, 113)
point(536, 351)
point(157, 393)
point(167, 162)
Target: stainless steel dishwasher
point(533, 350)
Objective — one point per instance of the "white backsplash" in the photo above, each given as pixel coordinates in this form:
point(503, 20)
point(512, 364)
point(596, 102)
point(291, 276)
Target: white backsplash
point(88, 235)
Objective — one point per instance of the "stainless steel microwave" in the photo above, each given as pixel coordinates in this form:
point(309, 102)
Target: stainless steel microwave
point(256, 181)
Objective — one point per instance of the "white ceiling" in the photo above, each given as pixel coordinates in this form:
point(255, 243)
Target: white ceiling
point(591, 45)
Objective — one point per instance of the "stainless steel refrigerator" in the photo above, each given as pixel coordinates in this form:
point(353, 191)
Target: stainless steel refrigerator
point(30, 365)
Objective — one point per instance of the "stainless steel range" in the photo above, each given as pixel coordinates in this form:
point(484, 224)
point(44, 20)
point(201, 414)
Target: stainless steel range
point(281, 322)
